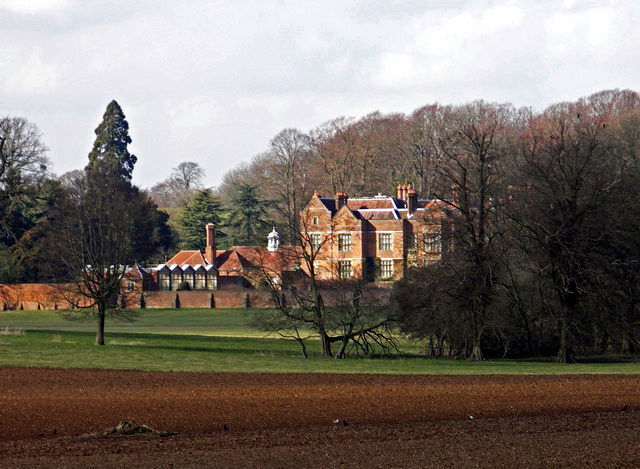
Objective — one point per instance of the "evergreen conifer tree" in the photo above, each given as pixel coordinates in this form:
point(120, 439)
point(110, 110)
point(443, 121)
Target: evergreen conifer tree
point(247, 217)
point(110, 147)
point(203, 209)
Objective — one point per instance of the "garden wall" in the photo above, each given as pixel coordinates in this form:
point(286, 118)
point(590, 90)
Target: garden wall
point(59, 296)
point(33, 296)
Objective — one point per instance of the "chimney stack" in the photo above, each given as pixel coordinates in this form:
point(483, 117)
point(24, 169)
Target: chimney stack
point(210, 249)
point(399, 191)
point(412, 200)
point(341, 200)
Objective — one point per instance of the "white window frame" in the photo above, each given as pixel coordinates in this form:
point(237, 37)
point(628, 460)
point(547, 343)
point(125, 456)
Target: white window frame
point(432, 242)
point(345, 242)
point(386, 268)
point(315, 241)
point(345, 270)
point(385, 242)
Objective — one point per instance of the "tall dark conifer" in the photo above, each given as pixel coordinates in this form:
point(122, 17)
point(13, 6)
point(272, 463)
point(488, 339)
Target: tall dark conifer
point(246, 221)
point(203, 209)
point(110, 147)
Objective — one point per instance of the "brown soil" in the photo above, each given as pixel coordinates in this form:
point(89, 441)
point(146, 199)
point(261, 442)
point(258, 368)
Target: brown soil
point(285, 420)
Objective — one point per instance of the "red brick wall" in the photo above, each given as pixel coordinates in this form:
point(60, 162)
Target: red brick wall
point(33, 296)
point(51, 296)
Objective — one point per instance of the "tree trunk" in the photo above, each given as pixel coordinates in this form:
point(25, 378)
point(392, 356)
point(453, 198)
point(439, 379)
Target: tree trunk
point(326, 344)
point(476, 351)
point(100, 331)
point(343, 346)
point(564, 355)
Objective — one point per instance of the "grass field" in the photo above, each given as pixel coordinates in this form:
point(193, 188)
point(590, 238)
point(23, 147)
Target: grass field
point(199, 321)
point(219, 340)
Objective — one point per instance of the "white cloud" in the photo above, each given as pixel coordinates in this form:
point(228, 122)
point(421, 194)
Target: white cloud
point(214, 81)
point(33, 6)
point(191, 116)
point(502, 17)
point(31, 75)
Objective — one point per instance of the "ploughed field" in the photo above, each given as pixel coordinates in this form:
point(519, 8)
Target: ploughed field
point(48, 416)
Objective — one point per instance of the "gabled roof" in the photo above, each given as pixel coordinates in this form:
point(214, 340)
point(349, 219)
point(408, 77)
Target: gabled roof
point(240, 258)
point(228, 261)
point(187, 257)
point(136, 271)
point(346, 212)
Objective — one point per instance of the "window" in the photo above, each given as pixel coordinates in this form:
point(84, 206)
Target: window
point(385, 242)
point(344, 242)
point(212, 280)
point(131, 286)
point(386, 269)
point(188, 279)
point(315, 240)
point(315, 221)
point(200, 283)
point(176, 280)
point(165, 282)
point(432, 242)
point(344, 269)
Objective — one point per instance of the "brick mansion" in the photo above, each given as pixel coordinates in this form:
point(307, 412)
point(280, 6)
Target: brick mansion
point(376, 238)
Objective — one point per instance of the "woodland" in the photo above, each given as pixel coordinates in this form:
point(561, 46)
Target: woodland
point(547, 252)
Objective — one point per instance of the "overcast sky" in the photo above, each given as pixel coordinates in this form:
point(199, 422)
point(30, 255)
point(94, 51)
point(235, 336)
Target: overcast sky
point(214, 81)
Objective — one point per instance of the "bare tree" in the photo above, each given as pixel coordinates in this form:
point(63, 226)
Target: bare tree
point(23, 166)
point(570, 169)
point(94, 233)
point(180, 187)
point(334, 145)
point(187, 175)
point(286, 177)
point(350, 316)
point(472, 151)
point(421, 149)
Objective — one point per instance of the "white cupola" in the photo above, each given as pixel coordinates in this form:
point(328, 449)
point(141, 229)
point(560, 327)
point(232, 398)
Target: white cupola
point(273, 240)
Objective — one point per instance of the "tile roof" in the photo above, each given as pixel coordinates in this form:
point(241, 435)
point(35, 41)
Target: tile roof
point(379, 214)
point(252, 257)
point(373, 203)
point(187, 257)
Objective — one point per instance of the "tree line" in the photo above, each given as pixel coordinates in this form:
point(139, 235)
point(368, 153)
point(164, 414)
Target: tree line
point(546, 259)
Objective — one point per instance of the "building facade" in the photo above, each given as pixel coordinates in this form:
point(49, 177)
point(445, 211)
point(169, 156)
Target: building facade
point(239, 266)
point(376, 238)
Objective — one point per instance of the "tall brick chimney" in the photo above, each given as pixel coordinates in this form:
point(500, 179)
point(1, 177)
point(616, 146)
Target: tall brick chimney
point(412, 201)
point(210, 248)
point(341, 200)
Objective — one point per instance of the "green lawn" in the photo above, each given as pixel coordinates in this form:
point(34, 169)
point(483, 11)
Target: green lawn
point(197, 321)
point(219, 340)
